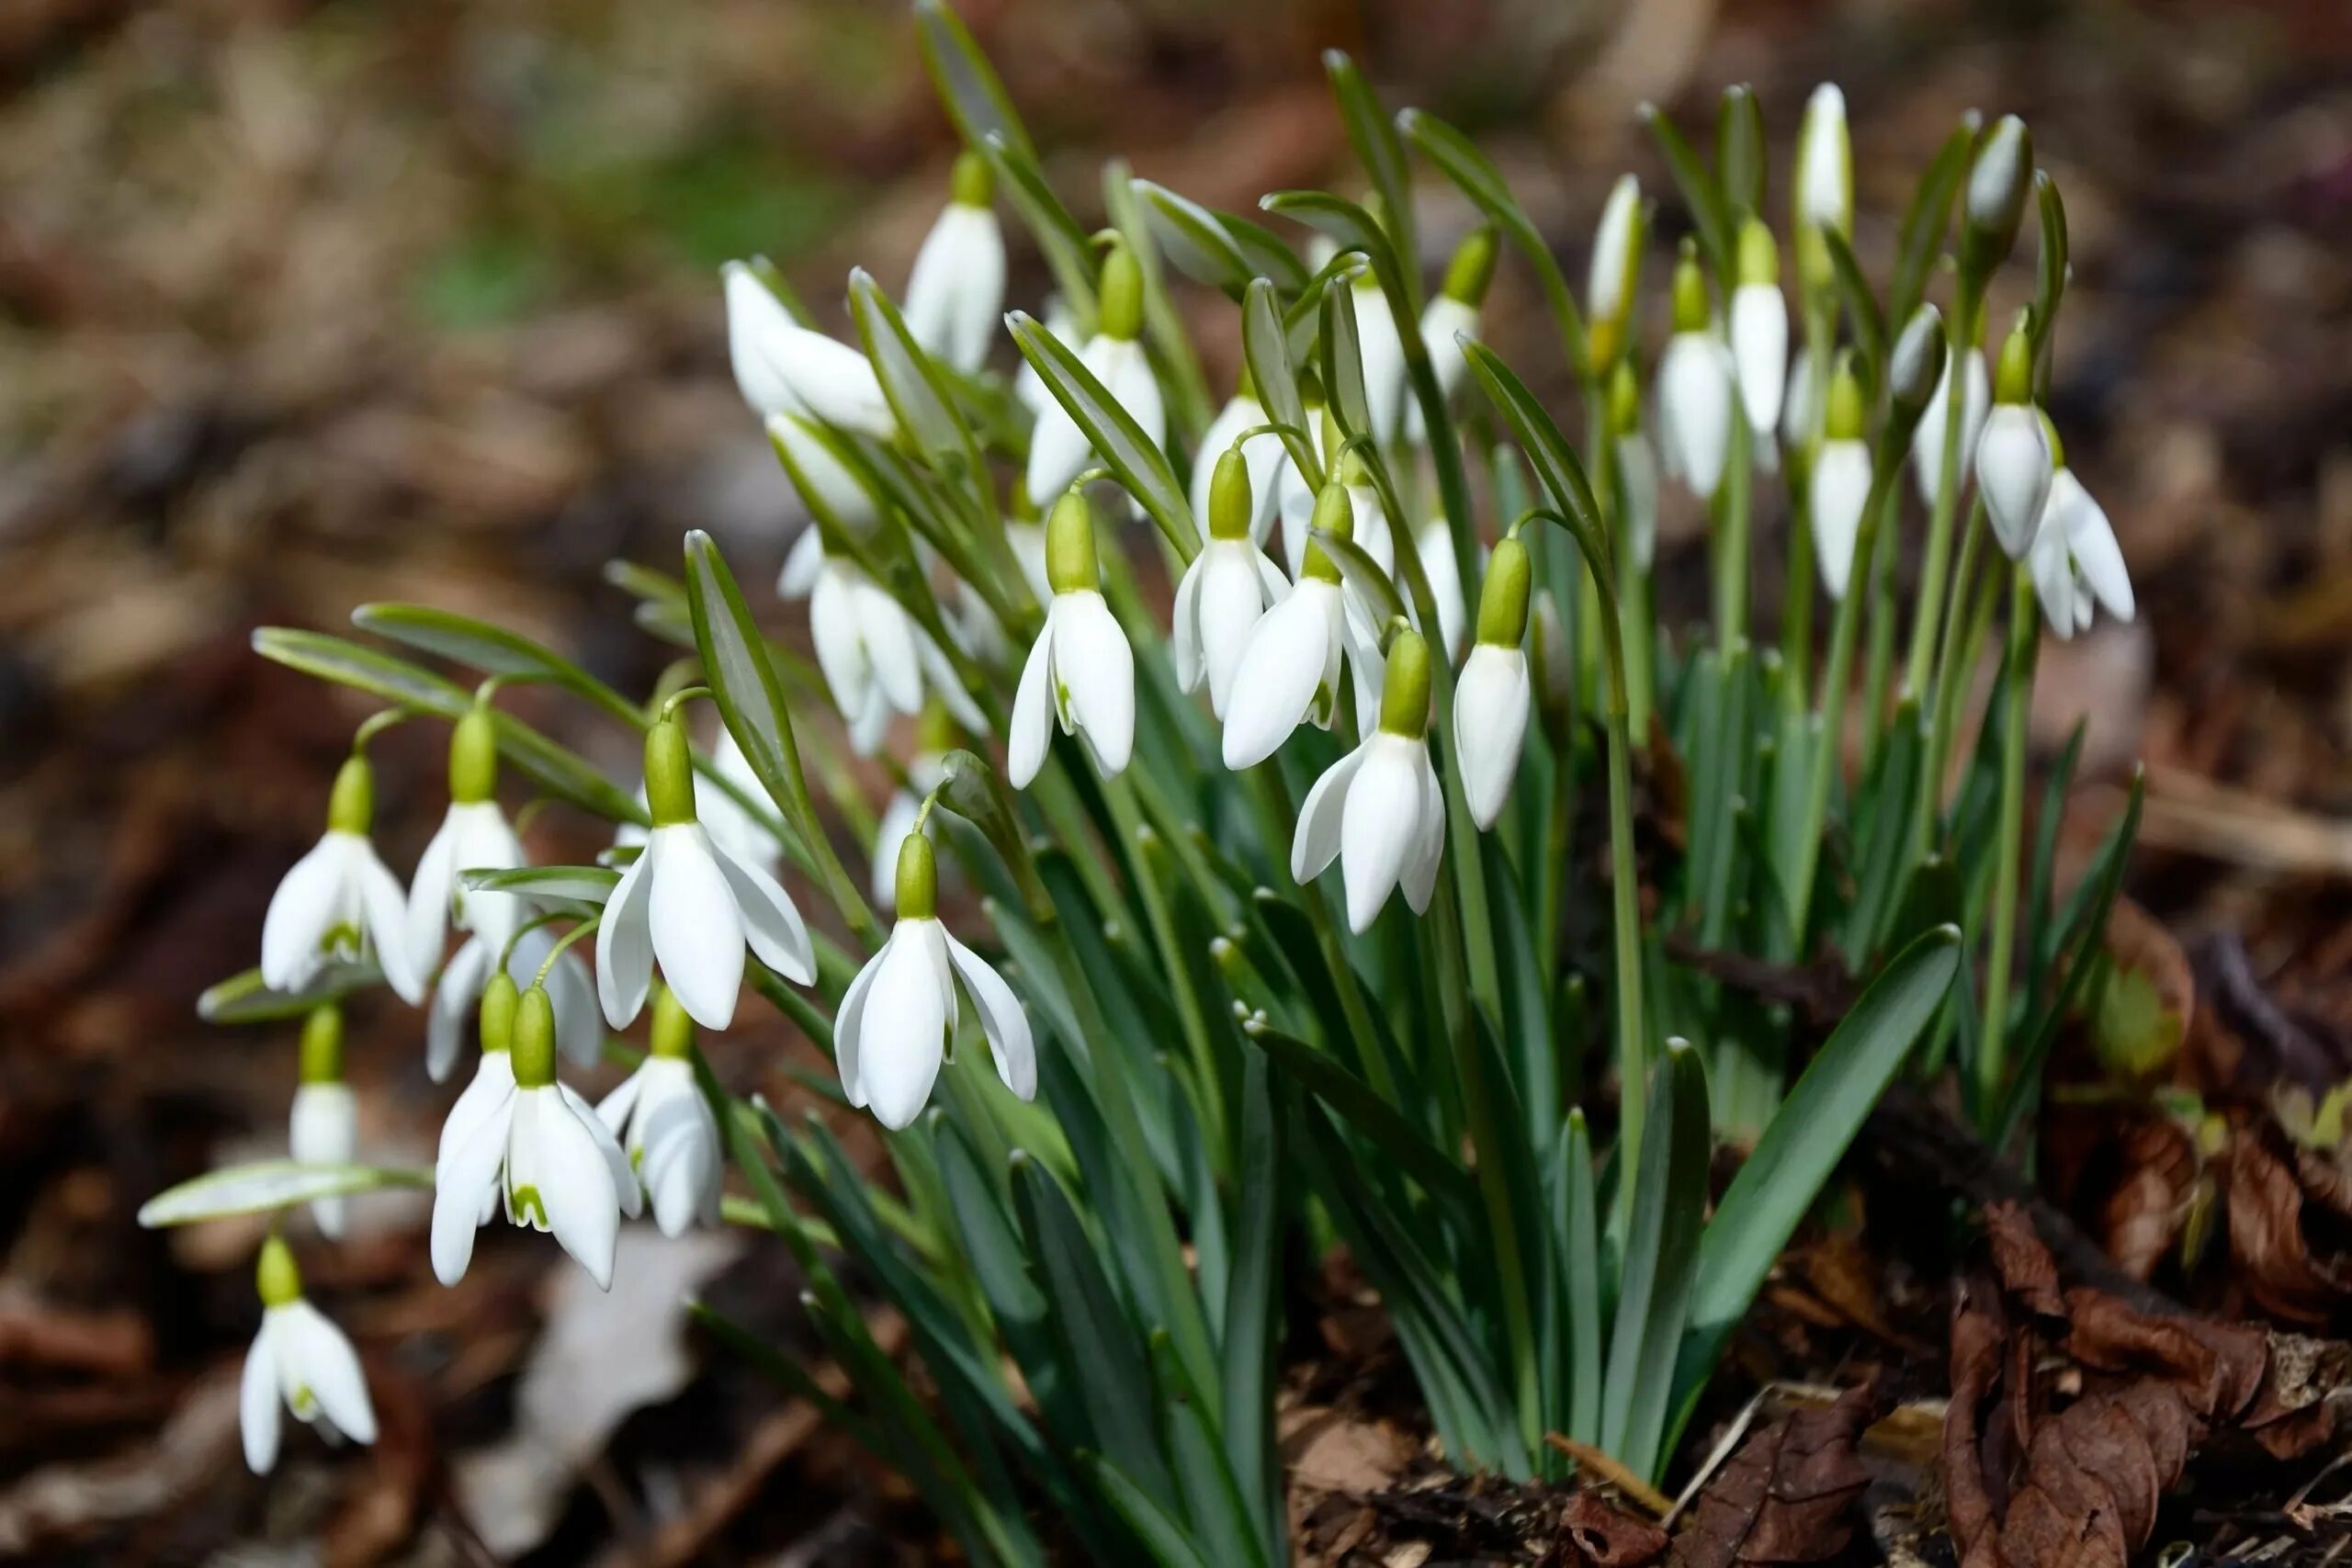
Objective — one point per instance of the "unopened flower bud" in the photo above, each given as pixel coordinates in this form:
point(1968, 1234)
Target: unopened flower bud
point(669, 774)
point(1616, 266)
point(1916, 367)
point(1119, 313)
point(1070, 563)
point(1997, 182)
point(1404, 694)
point(918, 879)
point(1232, 506)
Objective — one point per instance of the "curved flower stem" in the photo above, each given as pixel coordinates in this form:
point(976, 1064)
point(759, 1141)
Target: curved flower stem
point(1992, 1055)
point(574, 934)
point(1967, 319)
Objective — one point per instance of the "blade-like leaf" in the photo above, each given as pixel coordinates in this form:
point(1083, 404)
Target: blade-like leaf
point(271, 1184)
point(1057, 232)
point(968, 86)
point(1382, 151)
point(974, 791)
point(1381, 1123)
point(1266, 349)
point(1118, 440)
point(1700, 191)
point(1556, 463)
point(911, 380)
point(579, 884)
point(1924, 220)
point(1194, 240)
point(243, 998)
point(491, 649)
point(1343, 362)
point(1739, 149)
point(1460, 160)
point(1661, 1247)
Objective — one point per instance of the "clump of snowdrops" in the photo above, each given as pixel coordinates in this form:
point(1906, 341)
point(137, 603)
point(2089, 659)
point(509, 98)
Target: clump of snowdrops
point(1229, 897)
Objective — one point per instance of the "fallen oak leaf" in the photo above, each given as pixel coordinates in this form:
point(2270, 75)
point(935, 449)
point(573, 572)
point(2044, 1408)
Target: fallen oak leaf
point(1600, 1537)
point(1786, 1495)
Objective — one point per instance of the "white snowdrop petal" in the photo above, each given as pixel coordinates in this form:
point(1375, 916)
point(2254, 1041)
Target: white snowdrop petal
point(802, 561)
point(321, 1358)
point(258, 1401)
point(1314, 843)
point(1232, 598)
point(2013, 474)
point(300, 912)
point(1419, 879)
point(1184, 628)
point(1274, 684)
point(1841, 482)
point(1238, 415)
point(1094, 663)
point(889, 837)
point(1032, 705)
point(625, 944)
point(848, 1028)
point(837, 384)
point(904, 1033)
point(460, 1180)
point(1696, 409)
point(1378, 825)
point(429, 892)
point(1003, 1020)
point(614, 1110)
point(890, 636)
point(576, 1186)
point(772, 922)
point(322, 1128)
point(386, 910)
point(455, 999)
point(1759, 340)
point(1490, 712)
point(2090, 539)
point(696, 927)
point(758, 329)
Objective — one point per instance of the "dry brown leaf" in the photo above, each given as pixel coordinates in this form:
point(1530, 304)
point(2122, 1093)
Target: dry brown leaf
point(1787, 1495)
point(2266, 1240)
point(2144, 1214)
point(1603, 1538)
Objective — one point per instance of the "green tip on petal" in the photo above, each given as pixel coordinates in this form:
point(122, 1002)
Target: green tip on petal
point(1472, 269)
point(1230, 501)
point(275, 1275)
point(534, 1039)
point(1759, 258)
point(2049, 434)
point(918, 879)
point(673, 1034)
point(1405, 690)
point(669, 774)
point(473, 757)
point(323, 1045)
point(499, 999)
point(973, 183)
point(1071, 565)
point(1119, 312)
point(2013, 380)
point(1689, 291)
point(351, 808)
point(1503, 597)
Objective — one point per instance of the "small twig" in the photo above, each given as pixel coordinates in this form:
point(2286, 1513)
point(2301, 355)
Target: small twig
point(1589, 1458)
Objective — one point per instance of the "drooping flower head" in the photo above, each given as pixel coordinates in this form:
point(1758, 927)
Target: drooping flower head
point(1378, 810)
point(1615, 275)
point(666, 1125)
point(2013, 465)
point(1824, 195)
point(1759, 332)
point(898, 1018)
point(339, 901)
point(956, 294)
point(1495, 695)
point(299, 1361)
point(473, 835)
point(782, 367)
point(1226, 589)
point(1081, 673)
point(1262, 454)
point(1842, 482)
point(1058, 449)
point(2074, 559)
point(323, 1126)
point(1694, 387)
point(1289, 673)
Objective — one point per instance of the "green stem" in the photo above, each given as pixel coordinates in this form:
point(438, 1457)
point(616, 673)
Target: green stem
point(1119, 794)
point(1880, 662)
point(1736, 505)
point(1954, 662)
point(1959, 344)
point(1796, 602)
point(1992, 1057)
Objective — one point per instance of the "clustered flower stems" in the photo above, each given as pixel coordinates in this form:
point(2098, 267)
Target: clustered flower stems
point(1196, 1045)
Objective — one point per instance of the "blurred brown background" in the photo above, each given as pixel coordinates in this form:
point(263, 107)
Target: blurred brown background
point(307, 305)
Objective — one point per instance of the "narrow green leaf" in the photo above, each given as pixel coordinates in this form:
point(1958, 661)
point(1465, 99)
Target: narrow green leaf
point(1343, 362)
point(1661, 1247)
point(267, 1184)
point(1065, 245)
point(1381, 1123)
point(968, 86)
point(750, 697)
point(1265, 346)
point(491, 649)
point(911, 380)
point(1460, 160)
point(1861, 306)
point(1739, 149)
point(243, 998)
point(1382, 151)
point(1212, 1501)
point(579, 884)
point(1253, 1289)
point(1117, 439)
point(1556, 467)
point(1699, 192)
point(1195, 240)
point(1364, 575)
point(1156, 1531)
point(1924, 220)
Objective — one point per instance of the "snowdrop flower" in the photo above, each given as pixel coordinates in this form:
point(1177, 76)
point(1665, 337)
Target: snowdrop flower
point(1825, 185)
point(692, 903)
point(299, 1360)
point(1450, 320)
point(339, 901)
point(1694, 387)
point(1226, 589)
point(1082, 672)
point(1841, 482)
point(1289, 673)
point(1801, 406)
point(1369, 523)
point(898, 1018)
point(1434, 545)
point(1380, 351)
point(579, 1030)
point(1378, 810)
point(1995, 197)
point(1636, 467)
point(541, 1147)
point(473, 835)
point(494, 1079)
point(729, 825)
point(1262, 454)
point(1492, 700)
point(1759, 332)
point(1059, 450)
point(865, 646)
point(323, 1128)
point(2013, 465)
point(665, 1127)
point(1616, 272)
point(1928, 440)
point(956, 294)
point(782, 367)
point(2074, 559)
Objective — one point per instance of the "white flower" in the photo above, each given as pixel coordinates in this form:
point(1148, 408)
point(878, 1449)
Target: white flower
point(1694, 412)
point(782, 367)
point(323, 1129)
point(2013, 473)
point(1637, 474)
point(542, 1146)
point(1367, 523)
point(956, 294)
point(1058, 449)
point(473, 835)
point(1798, 407)
point(1226, 589)
point(1825, 161)
point(1446, 324)
point(1759, 349)
point(1381, 353)
point(1434, 545)
point(1289, 673)
point(1842, 484)
point(301, 1361)
point(898, 1016)
point(2075, 560)
point(865, 646)
point(1616, 260)
point(1997, 180)
point(666, 1129)
point(1081, 673)
point(1928, 440)
point(339, 901)
point(730, 826)
point(1378, 810)
point(1492, 700)
point(693, 905)
point(579, 1028)
point(828, 491)
point(1262, 456)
